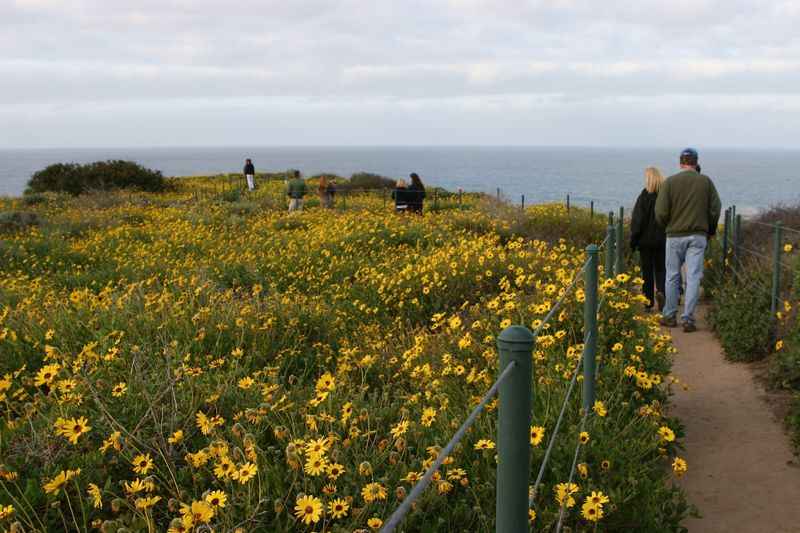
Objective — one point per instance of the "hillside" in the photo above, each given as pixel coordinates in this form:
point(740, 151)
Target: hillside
point(201, 357)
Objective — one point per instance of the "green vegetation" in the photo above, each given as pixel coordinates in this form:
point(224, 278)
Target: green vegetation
point(740, 308)
point(191, 360)
point(99, 176)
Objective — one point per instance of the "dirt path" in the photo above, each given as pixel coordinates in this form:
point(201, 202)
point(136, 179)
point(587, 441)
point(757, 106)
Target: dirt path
point(742, 475)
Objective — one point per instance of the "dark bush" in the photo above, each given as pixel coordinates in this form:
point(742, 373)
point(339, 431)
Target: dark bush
point(14, 221)
point(740, 315)
point(232, 195)
point(101, 175)
point(367, 180)
point(33, 199)
point(793, 420)
point(785, 368)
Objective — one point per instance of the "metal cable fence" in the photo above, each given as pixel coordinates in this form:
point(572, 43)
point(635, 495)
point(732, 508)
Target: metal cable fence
point(734, 251)
point(422, 484)
point(514, 388)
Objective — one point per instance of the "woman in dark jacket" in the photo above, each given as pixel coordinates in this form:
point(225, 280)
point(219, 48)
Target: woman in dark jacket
point(401, 197)
point(416, 194)
point(650, 239)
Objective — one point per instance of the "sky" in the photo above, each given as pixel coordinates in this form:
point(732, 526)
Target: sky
point(371, 72)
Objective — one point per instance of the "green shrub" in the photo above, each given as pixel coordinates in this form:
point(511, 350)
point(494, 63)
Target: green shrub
point(14, 221)
point(785, 367)
point(33, 199)
point(793, 421)
point(740, 315)
point(367, 180)
point(100, 175)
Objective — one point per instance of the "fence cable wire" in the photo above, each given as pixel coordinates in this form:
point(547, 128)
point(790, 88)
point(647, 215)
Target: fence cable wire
point(557, 427)
point(758, 284)
point(764, 256)
point(561, 299)
point(422, 484)
point(768, 225)
point(598, 362)
point(572, 472)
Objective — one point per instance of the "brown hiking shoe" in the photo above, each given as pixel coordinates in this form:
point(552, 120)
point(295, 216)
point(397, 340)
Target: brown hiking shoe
point(689, 327)
point(668, 322)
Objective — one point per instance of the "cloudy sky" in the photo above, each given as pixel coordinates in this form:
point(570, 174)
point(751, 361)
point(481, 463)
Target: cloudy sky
point(374, 72)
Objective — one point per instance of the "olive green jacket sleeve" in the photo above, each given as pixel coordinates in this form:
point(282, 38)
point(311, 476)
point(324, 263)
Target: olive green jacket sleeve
point(663, 205)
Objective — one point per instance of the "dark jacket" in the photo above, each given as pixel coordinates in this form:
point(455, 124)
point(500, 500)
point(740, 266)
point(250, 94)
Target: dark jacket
point(249, 169)
point(402, 198)
point(688, 204)
point(645, 231)
point(416, 195)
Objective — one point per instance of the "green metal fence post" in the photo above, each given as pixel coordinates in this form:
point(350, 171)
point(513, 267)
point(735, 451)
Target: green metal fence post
point(436, 198)
point(725, 228)
point(608, 269)
point(460, 192)
point(515, 344)
point(590, 327)
point(568, 203)
point(776, 268)
point(619, 266)
point(522, 203)
point(733, 234)
point(498, 194)
point(591, 209)
point(737, 239)
point(384, 196)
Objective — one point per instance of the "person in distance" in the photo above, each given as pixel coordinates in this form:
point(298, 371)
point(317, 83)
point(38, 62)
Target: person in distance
point(250, 174)
point(296, 190)
point(416, 194)
point(401, 195)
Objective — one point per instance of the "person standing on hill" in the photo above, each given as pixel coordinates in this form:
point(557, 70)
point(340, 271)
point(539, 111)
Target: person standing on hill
point(326, 192)
point(416, 194)
point(401, 196)
point(649, 238)
point(250, 174)
point(296, 190)
point(688, 206)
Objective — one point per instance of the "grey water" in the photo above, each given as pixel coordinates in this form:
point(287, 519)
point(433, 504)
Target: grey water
point(751, 179)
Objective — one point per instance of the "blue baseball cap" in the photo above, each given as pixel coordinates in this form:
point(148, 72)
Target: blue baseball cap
point(689, 152)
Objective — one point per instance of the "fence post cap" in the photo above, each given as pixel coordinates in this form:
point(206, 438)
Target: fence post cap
point(516, 335)
point(592, 249)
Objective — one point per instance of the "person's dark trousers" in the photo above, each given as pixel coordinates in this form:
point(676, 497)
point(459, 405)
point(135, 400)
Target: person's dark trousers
point(654, 271)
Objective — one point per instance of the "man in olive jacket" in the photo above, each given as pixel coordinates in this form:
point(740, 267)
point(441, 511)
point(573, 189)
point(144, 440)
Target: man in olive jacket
point(296, 190)
point(688, 207)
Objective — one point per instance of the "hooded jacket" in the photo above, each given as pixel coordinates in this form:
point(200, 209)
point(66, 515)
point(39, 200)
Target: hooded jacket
point(645, 231)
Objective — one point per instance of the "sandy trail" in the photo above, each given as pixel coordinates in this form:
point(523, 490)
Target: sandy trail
point(742, 474)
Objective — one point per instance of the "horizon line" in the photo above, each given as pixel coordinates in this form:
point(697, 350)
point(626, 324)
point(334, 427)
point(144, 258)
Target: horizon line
point(400, 146)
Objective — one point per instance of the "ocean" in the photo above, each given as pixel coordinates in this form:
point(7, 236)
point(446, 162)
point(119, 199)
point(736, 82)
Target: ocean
point(751, 179)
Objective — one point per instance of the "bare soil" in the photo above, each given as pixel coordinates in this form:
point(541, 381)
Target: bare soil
point(743, 476)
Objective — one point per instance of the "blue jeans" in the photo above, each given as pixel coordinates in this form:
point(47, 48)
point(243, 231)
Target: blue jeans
point(689, 250)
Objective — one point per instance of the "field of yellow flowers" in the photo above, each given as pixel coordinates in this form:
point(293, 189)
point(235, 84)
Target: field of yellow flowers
point(179, 363)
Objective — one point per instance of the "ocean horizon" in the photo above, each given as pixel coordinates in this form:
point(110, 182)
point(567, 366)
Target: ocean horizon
point(753, 179)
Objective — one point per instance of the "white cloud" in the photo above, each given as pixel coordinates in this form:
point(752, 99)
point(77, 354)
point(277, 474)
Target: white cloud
point(354, 57)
